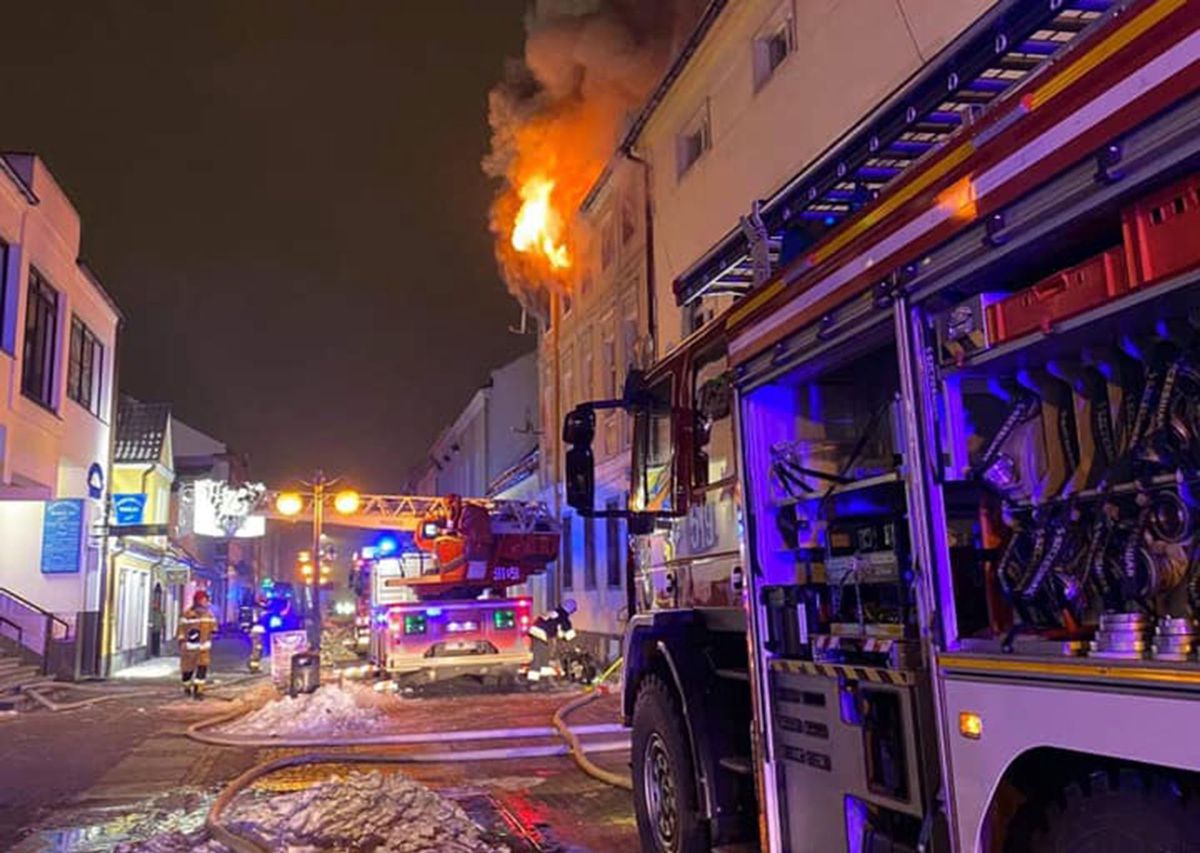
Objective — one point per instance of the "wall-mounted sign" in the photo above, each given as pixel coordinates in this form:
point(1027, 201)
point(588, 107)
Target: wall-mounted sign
point(95, 481)
point(62, 536)
point(222, 510)
point(129, 508)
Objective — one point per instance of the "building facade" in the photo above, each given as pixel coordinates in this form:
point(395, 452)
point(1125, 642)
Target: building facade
point(147, 572)
point(597, 333)
point(764, 90)
point(58, 337)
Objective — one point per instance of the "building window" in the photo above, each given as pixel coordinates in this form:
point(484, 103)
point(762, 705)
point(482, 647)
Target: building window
point(589, 553)
point(568, 569)
point(3, 292)
point(85, 367)
point(613, 542)
point(41, 321)
point(587, 366)
point(693, 141)
point(608, 244)
point(628, 218)
point(773, 44)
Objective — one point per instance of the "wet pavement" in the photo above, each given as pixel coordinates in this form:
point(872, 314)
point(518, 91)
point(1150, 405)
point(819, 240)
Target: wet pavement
point(91, 778)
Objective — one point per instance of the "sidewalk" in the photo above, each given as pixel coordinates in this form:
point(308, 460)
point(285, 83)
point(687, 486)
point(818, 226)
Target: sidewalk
point(229, 656)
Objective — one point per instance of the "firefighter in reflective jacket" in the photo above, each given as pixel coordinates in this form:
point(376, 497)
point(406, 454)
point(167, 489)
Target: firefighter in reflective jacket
point(555, 625)
point(196, 629)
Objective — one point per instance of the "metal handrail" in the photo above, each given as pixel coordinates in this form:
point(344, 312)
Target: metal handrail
point(49, 618)
point(20, 630)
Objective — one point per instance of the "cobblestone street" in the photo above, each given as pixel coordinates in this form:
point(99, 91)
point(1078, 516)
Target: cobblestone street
point(90, 778)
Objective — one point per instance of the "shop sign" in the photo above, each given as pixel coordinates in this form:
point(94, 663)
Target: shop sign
point(129, 508)
point(226, 511)
point(62, 536)
point(95, 481)
point(284, 644)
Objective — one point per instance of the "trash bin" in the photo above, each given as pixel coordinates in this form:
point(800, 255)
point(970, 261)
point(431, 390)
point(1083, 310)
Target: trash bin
point(306, 673)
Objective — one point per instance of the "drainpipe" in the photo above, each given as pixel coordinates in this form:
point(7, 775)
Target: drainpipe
point(555, 428)
point(651, 320)
point(101, 663)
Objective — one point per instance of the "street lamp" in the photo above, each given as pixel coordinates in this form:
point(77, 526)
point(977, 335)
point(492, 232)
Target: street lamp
point(345, 502)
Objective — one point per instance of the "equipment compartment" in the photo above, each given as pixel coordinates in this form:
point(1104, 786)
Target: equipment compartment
point(1162, 232)
point(1071, 472)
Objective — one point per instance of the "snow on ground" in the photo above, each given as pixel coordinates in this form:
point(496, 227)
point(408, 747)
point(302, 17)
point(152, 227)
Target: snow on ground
point(330, 710)
point(358, 812)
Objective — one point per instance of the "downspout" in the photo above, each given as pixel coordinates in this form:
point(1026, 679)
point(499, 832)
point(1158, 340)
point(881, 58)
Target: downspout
point(101, 664)
point(555, 432)
point(631, 566)
point(651, 321)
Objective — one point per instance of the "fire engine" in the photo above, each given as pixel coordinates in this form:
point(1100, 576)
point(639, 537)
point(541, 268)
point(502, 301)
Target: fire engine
point(915, 519)
point(440, 608)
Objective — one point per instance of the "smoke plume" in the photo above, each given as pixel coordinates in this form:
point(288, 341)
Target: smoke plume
point(556, 116)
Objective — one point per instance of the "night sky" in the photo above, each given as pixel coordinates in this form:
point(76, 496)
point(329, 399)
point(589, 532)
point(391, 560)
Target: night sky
point(285, 199)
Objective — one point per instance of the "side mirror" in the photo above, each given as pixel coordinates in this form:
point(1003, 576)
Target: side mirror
point(579, 429)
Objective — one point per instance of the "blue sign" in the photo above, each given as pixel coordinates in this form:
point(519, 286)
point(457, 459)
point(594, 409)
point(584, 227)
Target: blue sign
point(129, 508)
point(95, 481)
point(62, 536)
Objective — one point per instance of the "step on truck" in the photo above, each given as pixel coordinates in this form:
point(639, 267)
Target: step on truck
point(915, 520)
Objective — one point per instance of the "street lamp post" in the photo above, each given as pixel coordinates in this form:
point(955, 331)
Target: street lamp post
point(345, 502)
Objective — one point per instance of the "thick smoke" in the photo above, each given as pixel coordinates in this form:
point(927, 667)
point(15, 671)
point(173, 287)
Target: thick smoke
point(588, 66)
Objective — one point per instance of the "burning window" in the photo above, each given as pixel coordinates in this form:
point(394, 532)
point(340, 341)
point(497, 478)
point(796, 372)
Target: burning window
point(693, 140)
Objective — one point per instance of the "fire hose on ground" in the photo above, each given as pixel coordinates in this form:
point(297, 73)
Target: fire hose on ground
point(573, 746)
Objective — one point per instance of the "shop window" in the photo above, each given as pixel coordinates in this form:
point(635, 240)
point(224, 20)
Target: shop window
point(85, 367)
point(589, 553)
point(37, 359)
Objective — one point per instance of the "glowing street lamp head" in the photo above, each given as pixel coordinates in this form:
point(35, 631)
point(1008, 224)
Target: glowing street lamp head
point(346, 502)
point(289, 503)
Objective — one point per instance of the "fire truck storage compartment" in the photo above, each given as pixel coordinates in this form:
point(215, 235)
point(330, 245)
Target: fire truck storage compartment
point(832, 541)
point(1070, 460)
point(845, 752)
point(1162, 232)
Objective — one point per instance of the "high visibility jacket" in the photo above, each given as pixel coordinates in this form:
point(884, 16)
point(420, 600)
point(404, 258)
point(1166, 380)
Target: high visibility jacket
point(553, 625)
point(196, 628)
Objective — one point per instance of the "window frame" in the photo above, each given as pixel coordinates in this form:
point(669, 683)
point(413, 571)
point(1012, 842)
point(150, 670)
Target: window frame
point(612, 546)
point(589, 553)
point(782, 23)
point(5, 255)
point(698, 127)
point(567, 558)
point(39, 388)
point(90, 352)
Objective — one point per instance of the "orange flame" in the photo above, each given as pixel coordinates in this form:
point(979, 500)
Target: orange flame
point(538, 227)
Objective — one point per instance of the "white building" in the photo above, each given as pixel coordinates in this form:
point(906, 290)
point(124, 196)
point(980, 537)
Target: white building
point(495, 431)
point(58, 333)
point(763, 90)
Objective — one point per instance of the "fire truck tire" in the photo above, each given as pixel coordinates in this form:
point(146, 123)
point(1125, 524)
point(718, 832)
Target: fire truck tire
point(664, 779)
point(1128, 811)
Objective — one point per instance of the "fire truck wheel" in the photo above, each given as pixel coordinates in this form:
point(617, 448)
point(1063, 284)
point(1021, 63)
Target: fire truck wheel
point(665, 799)
point(1127, 811)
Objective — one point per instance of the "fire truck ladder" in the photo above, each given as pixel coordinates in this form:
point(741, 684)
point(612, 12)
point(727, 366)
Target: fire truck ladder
point(1017, 39)
point(406, 512)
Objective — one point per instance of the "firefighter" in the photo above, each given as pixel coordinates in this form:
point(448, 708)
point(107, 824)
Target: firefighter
point(196, 629)
point(555, 625)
